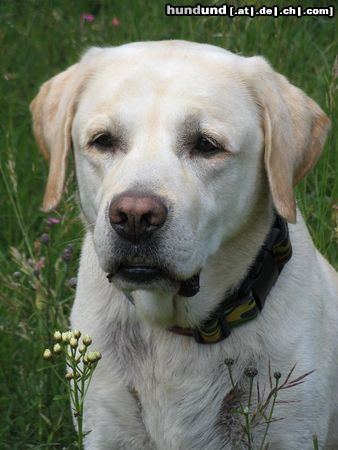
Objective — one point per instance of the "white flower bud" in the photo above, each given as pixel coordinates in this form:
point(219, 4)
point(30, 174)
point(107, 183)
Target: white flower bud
point(91, 357)
point(57, 336)
point(82, 349)
point(87, 340)
point(66, 336)
point(73, 342)
point(57, 348)
point(47, 354)
point(77, 334)
point(98, 356)
point(94, 356)
point(69, 376)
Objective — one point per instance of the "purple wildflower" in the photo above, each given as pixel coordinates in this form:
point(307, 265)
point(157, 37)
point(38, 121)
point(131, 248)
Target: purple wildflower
point(87, 17)
point(52, 221)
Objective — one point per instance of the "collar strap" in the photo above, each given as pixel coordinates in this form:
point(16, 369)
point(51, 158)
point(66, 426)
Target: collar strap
point(248, 299)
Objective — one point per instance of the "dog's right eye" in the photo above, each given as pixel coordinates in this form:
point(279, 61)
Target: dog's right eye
point(207, 146)
point(103, 141)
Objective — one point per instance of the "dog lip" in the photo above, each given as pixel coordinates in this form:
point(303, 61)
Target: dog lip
point(139, 269)
point(136, 264)
point(140, 273)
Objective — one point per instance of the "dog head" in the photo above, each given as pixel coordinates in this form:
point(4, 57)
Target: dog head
point(175, 146)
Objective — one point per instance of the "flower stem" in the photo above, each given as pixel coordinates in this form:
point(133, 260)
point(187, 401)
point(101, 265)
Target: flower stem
point(274, 397)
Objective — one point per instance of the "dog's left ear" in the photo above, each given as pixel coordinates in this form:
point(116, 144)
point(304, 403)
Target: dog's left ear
point(53, 110)
point(295, 129)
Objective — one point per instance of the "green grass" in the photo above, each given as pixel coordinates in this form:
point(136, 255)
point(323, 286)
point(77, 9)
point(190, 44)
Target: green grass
point(37, 40)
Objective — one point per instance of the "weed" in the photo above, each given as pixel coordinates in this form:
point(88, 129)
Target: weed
point(81, 364)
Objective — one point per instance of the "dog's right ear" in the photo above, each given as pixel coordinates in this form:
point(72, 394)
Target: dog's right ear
point(53, 110)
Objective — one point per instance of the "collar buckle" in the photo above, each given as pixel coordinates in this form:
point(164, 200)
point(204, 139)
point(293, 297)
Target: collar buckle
point(212, 331)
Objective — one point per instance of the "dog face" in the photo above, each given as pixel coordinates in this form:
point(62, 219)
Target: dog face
point(176, 144)
point(150, 134)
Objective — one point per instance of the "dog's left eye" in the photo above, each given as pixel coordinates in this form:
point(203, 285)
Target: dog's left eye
point(207, 146)
point(103, 141)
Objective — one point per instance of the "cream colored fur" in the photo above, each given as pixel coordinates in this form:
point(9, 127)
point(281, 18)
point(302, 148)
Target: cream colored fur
point(154, 389)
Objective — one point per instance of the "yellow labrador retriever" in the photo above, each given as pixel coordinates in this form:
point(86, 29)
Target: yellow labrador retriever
point(186, 158)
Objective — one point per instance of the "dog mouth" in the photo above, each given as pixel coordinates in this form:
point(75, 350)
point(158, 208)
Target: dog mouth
point(137, 275)
point(140, 272)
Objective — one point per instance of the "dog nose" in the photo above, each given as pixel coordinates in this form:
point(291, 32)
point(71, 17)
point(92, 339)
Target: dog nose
point(136, 216)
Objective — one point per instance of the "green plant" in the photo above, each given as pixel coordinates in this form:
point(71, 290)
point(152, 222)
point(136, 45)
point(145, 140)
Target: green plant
point(260, 412)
